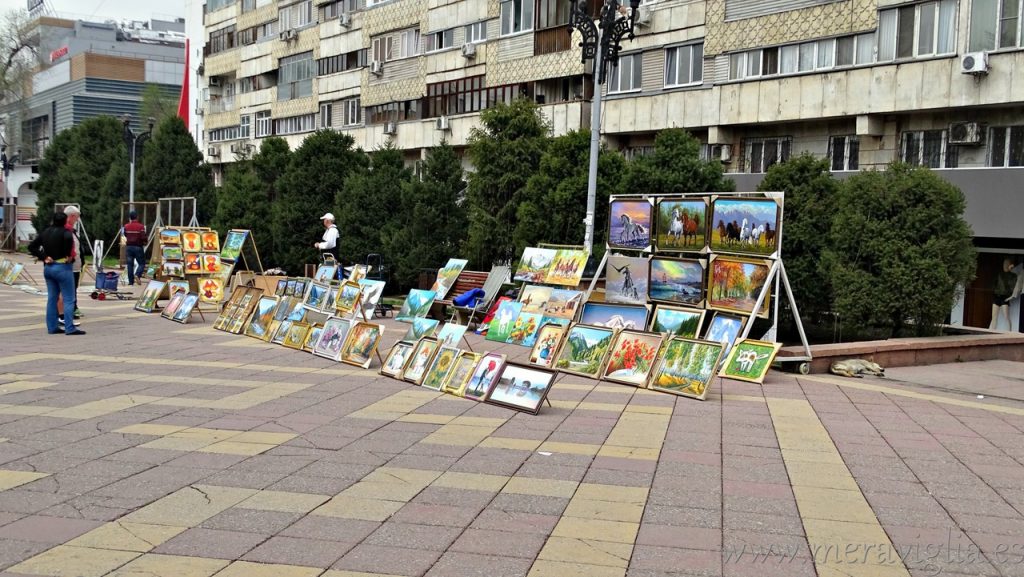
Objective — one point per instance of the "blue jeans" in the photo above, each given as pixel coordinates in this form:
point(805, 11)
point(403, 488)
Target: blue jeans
point(60, 280)
point(135, 255)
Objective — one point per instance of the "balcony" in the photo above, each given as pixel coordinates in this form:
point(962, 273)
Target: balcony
point(551, 40)
point(222, 104)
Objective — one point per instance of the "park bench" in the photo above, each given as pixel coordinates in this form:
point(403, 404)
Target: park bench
point(489, 282)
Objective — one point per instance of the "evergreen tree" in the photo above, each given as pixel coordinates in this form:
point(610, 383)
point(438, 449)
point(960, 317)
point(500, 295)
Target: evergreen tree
point(371, 203)
point(270, 163)
point(242, 203)
point(172, 166)
point(505, 152)
point(676, 167)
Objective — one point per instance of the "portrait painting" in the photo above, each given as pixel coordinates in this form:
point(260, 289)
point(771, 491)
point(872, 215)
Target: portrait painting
point(687, 367)
point(630, 223)
point(521, 387)
point(677, 281)
point(193, 263)
point(484, 376)
point(534, 265)
point(632, 358)
point(211, 263)
point(626, 280)
point(458, 379)
point(191, 241)
point(421, 360)
point(584, 350)
point(397, 358)
point(744, 225)
point(682, 225)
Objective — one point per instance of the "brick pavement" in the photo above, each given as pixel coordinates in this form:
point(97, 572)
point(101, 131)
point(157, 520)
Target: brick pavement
point(150, 448)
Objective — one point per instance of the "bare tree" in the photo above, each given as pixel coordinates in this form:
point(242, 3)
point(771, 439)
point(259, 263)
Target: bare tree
point(18, 55)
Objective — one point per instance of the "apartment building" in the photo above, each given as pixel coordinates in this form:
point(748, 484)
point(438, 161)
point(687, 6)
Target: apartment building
point(937, 83)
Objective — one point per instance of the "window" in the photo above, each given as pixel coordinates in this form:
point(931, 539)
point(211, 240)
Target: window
point(213, 5)
point(409, 43)
point(553, 13)
point(245, 123)
point(844, 152)
point(382, 48)
point(253, 83)
point(760, 154)
point(440, 40)
point(264, 125)
point(476, 32)
point(1006, 146)
point(221, 40)
point(326, 111)
point(295, 76)
point(226, 133)
point(341, 62)
point(684, 65)
point(805, 57)
point(353, 112)
point(267, 30)
point(296, 15)
point(516, 16)
point(928, 148)
point(393, 112)
point(295, 124)
point(625, 76)
point(467, 95)
point(250, 5)
point(918, 30)
point(634, 152)
point(335, 9)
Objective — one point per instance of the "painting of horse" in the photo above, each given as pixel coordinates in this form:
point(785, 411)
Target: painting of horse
point(681, 225)
point(744, 225)
point(630, 223)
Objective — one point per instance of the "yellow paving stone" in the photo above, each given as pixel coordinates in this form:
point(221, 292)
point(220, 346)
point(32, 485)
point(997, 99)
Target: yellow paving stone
point(596, 529)
point(861, 570)
point(476, 481)
point(452, 434)
point(155, 430)
point(570, 448)
point(834, 504)
point(608, 407)
point(18, 386)
point(544, 568)
point(123, 536)
point(613, 493)
point(263, 437)
point(402, 492)
point(177, 444)
point(810, 456)
point(247, 569)
point(190, 506)
point(822, 533)
point(400, 403)
point(491, 422)
point(649, 409)
point(743, 398)
point(421, 477)
point(204, 433)
point(916, 395)
point(426, 418)
point(102, 407)
point(540, 487)
point(284, 501)
point(572, 550)
point(824, 475)
point(67, 561)
point(155, 565)
point(639, 430)
point(12, 479)
point(640, 453)
point(25, 358)
point(336, 573)
point(236, 448)
point(510, 443)
point(346, 507)
point(605, 510)
point(31, 410)
point(614, 389)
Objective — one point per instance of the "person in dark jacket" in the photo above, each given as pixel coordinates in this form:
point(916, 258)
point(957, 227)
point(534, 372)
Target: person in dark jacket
point(55, 246)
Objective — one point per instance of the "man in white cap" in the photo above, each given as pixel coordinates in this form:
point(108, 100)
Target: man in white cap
point(329, 244)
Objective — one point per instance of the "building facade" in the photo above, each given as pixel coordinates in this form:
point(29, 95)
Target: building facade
point(937, 83)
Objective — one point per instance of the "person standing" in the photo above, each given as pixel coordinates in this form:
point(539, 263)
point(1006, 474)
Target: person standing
point(1004, 290)
point(55, 246)
point(329, 242)
point(134, 233)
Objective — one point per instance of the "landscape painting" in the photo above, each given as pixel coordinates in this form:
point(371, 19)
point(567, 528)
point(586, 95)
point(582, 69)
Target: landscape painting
point(567, 268)
point(687, 367)
point(724, 329)
point(736, 283)
point(361, 343)
point(451, 334)
point(626, 280)
point(744, 225)
point(682, 225)
point(504, 320)
point(419, 328)
point(147, 301)
point(259, 325)
point(750, 360)
point(447, 275)
point(677, 322)
point(535, 298)
point(416, 305)
point(614, 316)
point(563, 304)
point(677, 281)
point(629, 224)
point(233, 242)
point(632, 357)
point(584, 350)
point(533, 267)
point(522, 388)
point(170, 236)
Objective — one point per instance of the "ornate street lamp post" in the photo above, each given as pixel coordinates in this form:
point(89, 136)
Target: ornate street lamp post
point(134, 143)
point(601, 45)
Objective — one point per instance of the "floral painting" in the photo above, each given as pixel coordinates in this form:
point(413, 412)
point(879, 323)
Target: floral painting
point(630, 224)
point(416, 305)
point(736, 283)
point(632, 357)
point(544, 350)
point(446, 277)
point(443, 364)
point(687, 367)
point(485, 375)
point(332, 338)
point(584, 350)
point(744, 225)
point(626, 280)
point(682, 225)
point(534, 265)
point(750, 360)
point(524, 330)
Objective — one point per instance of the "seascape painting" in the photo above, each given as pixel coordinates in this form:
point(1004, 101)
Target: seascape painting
point(682, 225)
point(629, 224)
point(522, 388)
point(677, 281)
point(744, 225)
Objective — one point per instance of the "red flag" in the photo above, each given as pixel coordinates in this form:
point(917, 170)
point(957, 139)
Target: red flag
point(183, 99)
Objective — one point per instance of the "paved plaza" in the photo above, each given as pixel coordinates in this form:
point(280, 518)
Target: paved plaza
point(154, 449)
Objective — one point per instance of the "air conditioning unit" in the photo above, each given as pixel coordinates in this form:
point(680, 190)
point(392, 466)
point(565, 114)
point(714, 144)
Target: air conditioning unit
point(442, 123)
point(390, 128)
point(643, 15)
point(214, 81)
point(200, 112)
point(725, 153)
point(469, 50)
point(345, 20)
point(291, 34)
point(236, 148)
point(284, 35)
point(213, 151)
point(966, 133)
point(377, 67)
point(975, 63)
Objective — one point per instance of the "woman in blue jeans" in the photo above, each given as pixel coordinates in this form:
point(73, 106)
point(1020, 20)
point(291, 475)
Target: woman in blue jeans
point(55, 246)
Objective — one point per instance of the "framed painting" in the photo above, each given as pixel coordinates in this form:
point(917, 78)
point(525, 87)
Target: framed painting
point(451, 334)
point(420, 361)
point(285, 308)
point(534, 265)
point(191, 241)
point(172, 304)
point(440, 368)
point(193, 263)
point(372, 290)
point(147, 300)
point(524, 330)
point(172, 268)
point(325, 273)
point(281, 286)
point(584, 350)
point(211, 263)
point(362, 342)
point(312, 337)
point(504, 320)
point(563, 304)
point(458, 379)
point(14, 272)
point(677, 281)
point(301, 286)
point(296, 335)
point(687, 367)
point(735, 284)
point(420, 328)
point(682, 225)
point(626, 280)
point(170, 236)
point(358, 272)
point(744, 225)
point(174, 286)
point(676, 321)
point(279, 330)
point(184, 311)
point(246, 306)
point(614, 316)
point(484, 376)
point(233, 242)
point(211, 242)
point(521, 388)
point(211, 290)
point(397, 358)
point(151, 270)
point(567, 268)
point(535, 298)
point(331, 299)
point(332, 338)
point(630, 222)
point(262, 317)
point(348, 298)
point(544, 351)
point(724, 329)
point(750, 360)
point(416, 305)
point(446, 276)
point(290, 287)
point(172, 252)
point(553, 321)
point(315, 296)
point(632, 358)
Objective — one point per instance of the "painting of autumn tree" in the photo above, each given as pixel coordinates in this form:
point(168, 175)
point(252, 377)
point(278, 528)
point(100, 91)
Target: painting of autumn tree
point(736, 283)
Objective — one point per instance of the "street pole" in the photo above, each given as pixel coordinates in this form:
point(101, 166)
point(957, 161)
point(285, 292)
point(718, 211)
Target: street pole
point(131, 179)
point(134, 142)
point(595, 150)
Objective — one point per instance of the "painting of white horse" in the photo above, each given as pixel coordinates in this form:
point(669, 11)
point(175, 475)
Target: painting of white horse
point(630, 223)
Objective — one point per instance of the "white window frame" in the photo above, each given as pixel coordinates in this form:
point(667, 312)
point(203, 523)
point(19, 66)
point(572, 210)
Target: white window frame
point(384, 48)
point(436, 41)
point(889, 23)
point(264, 124)
point(509, 10)
point(673, 60)
point(1000, 7)
point(353, 112)
point(636, 70)
point(849, 161)
point(783, 152)
point(409, 43)
point(326, 118)
point(245, 125)
point(296, 15)
point(476, 32)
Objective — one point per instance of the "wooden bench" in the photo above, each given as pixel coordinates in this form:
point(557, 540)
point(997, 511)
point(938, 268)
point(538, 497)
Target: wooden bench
point(466, 281)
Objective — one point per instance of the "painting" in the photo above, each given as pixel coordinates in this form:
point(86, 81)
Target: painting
point(446, 277)
point(315, 296)
point(184, 311)
point(676, 321)
point(632, 358)
point(451, 334)
point(172, 304)
point(174, 286)
point(151, 269)
point(626, 280)
point(416, 305)
point(677, 281)
point(584, 350)
point(546, 348)
point(724, 329)
point(687, 367)
point(682, 225)
point(567, 268)
point(503, 321)
point(396, 360)
point(191, 241)
point(290, 287)
point(440, 368)
point(147, 300)
point(372, 290)
point(524, 330)
point(170, 236)
point(12, 273)
point(262, 316)
point(358, 272)
point(458, 379)
point(312, 337)
point(485, 375)
point(534, 265)
point(245, 309)
point(331, 299)
point(750, 360)
point(629, 224)
point(233, 242)
point(279, 330)
point(332, 338)
point(211, 263)
point(296, 335)
point(348, 299)
point(546, 320)
point(282, 285)
point(362, 342)
point(290, 309)
point(301, 284)
point(563, 304)
point(736, 283)
point(211, 241)
point(744, 225)
point(193, 263)
point(419, 328)
point(614, 316)
point(172, 253)
point(420, 361)
point(534, 298)
point(211, 290)
point(522, 388)
point(325, 273)
point(171, 268)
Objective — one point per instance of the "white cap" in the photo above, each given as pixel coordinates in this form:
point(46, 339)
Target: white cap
point(327, 216)
point(71, 209)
